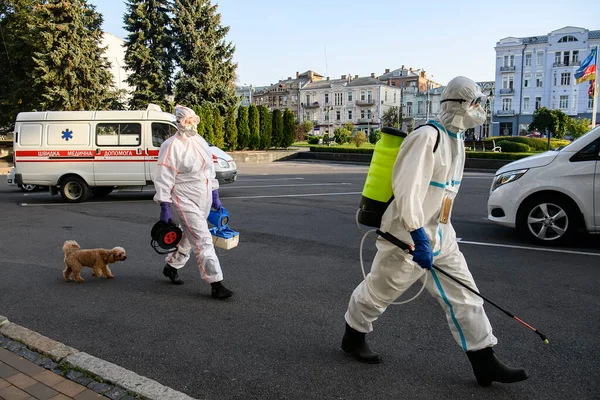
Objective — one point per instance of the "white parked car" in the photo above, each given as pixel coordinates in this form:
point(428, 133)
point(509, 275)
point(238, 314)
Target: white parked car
point(552, 196)
point(10, 177)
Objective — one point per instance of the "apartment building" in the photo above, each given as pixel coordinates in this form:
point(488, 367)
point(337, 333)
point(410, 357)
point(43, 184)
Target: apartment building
point(537, 71)
point(331, 103)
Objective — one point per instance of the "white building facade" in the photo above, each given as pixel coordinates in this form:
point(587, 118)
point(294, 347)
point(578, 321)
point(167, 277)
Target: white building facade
point(534, 72)
point(115, 53)
point(331, 103)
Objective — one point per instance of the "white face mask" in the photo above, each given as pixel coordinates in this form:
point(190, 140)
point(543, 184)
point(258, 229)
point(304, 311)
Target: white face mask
point(474, 117)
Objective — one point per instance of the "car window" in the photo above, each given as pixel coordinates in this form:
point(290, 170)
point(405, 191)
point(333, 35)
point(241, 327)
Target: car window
point(161, 132)
point(588, 153)
point(575, 141)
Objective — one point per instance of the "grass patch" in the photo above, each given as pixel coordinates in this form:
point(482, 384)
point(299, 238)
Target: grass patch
point(490, 155)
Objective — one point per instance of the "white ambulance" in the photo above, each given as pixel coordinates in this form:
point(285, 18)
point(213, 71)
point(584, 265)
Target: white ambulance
point(83, 153)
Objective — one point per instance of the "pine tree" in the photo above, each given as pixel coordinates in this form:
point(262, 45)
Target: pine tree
point(231, 133)
point(200, 128)
point(243, 128)
point(71, 72)
point(266, 124)
point(206, 59)
point(289, 128)
point(149, 53)
point(219, 139)
point(209, 125)
point(254, 126)
point(277, 130)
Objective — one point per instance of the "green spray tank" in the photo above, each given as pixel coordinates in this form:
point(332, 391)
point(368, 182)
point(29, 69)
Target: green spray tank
point(377, 193)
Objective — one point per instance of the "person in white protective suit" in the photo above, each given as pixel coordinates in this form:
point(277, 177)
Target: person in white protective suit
point(425, 184)
point(185, 181)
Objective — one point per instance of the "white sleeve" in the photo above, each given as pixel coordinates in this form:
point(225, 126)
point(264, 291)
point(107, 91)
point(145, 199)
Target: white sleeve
point(412, 174)
point(165, 173)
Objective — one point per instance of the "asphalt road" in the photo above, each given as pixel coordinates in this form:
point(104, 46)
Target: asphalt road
point(293, 273)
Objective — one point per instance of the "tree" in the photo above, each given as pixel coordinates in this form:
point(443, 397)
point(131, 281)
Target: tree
point(341, 135)
point(231, 133)
point(243, 128)
point(578, 127)
point(392, 117)
point(266, 125)
point(552, 122)
point(254, 127)
point(200, 128)
point(349, 126)
point(205, 58)
point(70, 70)
point(17, 91)
point(149, 53)
point(209, 124)
point(289, 128)
point(359, 138)
point(219, 140)
point(374, 136)
point(277, 130)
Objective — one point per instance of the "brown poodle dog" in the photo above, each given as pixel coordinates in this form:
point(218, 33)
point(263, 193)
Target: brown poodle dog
point(97, 259)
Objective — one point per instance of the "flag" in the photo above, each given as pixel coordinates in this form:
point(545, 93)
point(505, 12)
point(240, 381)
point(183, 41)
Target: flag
point(592, 87)
point(587, 70)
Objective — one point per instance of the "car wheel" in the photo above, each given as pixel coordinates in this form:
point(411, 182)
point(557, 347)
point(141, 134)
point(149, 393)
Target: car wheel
point(74, 190)
point(28, 188)
point(549, 220)
point(101, 191)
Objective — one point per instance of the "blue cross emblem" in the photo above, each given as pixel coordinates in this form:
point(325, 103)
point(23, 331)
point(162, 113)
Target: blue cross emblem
point(67, 134)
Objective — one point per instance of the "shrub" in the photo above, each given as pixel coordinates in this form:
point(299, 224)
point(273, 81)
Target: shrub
point(313, 140)
point(374, 136)
point(513, 147)
point(359, 138)
point(341, 150)
point(537, 144)
point(497, 156)
point(341, 135)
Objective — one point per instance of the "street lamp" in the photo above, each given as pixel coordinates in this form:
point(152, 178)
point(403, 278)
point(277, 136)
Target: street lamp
point(489, 111)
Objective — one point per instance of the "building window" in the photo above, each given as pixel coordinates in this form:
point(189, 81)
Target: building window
point(528, 59)
point(566, 39)
point(419, 108)
point(590, 102)
point(509, 61)
point(326, 115)
point(339, 99)
point(369, 115)
point(506, 104)
point(526, 103)
point(575, 56)
point(362, 114)
point(565, 79)
point(385, 96)
point(564, 102)
point(350, 115)
point(539, 79)
point(393, 83)
point(538, 103)
point(307, 99)
point(363, 95)
point(349, 96)
point(557, 56)
point(338, 115)
point(409, 108)
point(526, 81)
point(540, 58)
point(566, 57)
point(555, 79)
point(326, 98)
point(369, 95)
point(508, 82)
point(506, 128)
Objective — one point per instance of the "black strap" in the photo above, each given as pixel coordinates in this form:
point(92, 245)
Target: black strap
point(437, 139)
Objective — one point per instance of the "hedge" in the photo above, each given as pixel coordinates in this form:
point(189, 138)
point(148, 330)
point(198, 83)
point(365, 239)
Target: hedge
point(497, 156)
point(326, 149)
point(538, 144)
point(513, 147)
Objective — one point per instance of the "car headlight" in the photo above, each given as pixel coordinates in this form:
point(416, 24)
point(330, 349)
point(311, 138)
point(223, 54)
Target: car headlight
point(507, 177)
point(222, 163)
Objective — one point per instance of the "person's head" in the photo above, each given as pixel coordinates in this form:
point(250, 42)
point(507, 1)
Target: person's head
point(462, 105)
point(187, 120)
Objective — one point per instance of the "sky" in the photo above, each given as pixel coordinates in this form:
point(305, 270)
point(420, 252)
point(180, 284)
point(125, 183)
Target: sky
point(446, 38)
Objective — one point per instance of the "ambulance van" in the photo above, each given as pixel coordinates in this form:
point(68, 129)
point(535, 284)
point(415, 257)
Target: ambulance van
point(80, 154)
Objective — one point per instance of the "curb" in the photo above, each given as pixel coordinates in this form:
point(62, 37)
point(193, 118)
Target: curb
point(82, 364)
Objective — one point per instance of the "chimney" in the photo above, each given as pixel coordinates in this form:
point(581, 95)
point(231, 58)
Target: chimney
point(387, 70)
point(403, 67)
point(289, 78)
point(355, 76)
point(372, 74)
point(327, 78)
point(297, 74)
point(344, 76)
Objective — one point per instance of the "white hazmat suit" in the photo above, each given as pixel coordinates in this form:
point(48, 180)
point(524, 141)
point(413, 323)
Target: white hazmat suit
point(185, 177)
point(422, 182)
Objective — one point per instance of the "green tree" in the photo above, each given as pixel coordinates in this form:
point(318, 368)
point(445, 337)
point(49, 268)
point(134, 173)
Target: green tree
point(243, 128)
point(209, 124)
point(578, 127)
point(392, 117)
point(266, 125)
point(552, 122)
point(149, 53)
point(219, 139)
point(349, 126)
point(231, 133)
point(277, 129)
point(17, 92)
point(341, 135)
point(254, 127)
point(289, 128)
point(200, 128)
point(71, 72)
point(205, 58)
point(359, 138)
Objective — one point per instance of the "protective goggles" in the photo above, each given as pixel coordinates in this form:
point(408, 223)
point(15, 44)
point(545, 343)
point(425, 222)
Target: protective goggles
point(479, 99)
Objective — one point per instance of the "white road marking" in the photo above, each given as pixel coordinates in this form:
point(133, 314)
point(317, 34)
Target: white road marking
point(240, 179)
point(297, 185)
point(87, 203)
point(291, 195)
point(545, 250)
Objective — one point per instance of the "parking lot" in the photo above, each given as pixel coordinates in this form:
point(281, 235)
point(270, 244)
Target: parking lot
point(292, 274)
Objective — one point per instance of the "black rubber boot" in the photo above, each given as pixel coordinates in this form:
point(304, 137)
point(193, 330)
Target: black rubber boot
point(488, 368)
point(218, 291)
point(171, 273)
point(354, 343)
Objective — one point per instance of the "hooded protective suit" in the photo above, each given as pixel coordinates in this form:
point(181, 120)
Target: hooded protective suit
point(185, 177)
point(424, 185)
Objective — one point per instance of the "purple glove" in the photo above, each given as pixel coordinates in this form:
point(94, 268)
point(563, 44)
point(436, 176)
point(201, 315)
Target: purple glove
point(216, 203)
point(165, 212)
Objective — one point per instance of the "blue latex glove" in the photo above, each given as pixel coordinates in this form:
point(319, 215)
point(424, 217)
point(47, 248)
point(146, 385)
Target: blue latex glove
point(165, 212)
point(216, 202)
point(422, 253)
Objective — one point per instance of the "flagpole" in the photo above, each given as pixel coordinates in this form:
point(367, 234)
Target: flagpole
point(595, 103)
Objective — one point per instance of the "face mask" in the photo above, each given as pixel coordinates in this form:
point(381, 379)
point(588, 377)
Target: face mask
point(474, 117)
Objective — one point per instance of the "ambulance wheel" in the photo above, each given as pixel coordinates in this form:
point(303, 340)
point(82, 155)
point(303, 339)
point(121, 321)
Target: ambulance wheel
point(101, 191)
point(73, 189)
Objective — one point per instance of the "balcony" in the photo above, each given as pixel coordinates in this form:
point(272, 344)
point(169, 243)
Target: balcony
point(311, 105)
point(367, 102)
point(366, 121)
point(508, 69)
point(569, 64)
point(505, 112)
point(507, 91)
